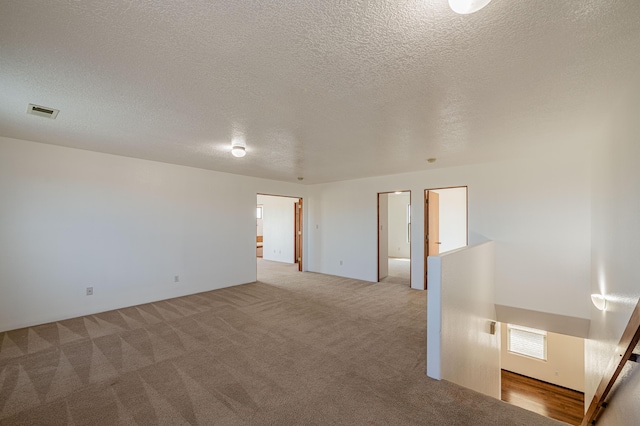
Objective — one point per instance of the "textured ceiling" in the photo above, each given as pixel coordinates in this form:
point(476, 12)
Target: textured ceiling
point(328, 90)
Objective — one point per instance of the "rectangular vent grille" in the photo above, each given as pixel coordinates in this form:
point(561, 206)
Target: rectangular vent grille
point(42, 111)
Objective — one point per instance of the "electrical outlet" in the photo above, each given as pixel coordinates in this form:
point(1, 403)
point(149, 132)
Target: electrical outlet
point(176, 279)
point(89, 291)
point(341, 263)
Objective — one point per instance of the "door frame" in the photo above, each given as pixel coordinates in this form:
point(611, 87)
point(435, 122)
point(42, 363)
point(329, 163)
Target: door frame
point(378, 231)
point(297, 233)
point(297, 238)
point(426, 224)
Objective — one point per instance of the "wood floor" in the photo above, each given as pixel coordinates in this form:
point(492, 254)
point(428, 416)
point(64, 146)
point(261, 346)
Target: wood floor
point(543, 398)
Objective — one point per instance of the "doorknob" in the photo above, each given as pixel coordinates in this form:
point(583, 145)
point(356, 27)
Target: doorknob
point(438, 242)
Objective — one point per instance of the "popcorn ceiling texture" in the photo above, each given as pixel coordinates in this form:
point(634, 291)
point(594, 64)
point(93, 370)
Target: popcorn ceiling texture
point(327, 90)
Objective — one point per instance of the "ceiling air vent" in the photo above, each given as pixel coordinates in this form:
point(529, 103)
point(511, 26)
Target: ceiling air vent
point(42, 111)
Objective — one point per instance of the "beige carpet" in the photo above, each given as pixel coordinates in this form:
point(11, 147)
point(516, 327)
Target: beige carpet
point(399, 271)
point(292, 349)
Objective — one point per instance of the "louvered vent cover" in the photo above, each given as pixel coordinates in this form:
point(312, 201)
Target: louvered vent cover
point(42, 111)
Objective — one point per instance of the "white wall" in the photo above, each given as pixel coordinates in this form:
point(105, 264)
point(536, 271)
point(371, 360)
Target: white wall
point(278, 231)
point(536, 209)
point(127, 226)
point(615, 272)
point(398, 244)
point(71, 219)
point(452, 218)
point(460, 348)
point(564, 365)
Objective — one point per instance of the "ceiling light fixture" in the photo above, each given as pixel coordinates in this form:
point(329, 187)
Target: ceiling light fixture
point(465, 7)
point(599, 302)
point(238, 151)
point(238, 148)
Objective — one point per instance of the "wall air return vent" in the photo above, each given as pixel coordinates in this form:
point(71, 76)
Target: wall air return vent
point(42, 111)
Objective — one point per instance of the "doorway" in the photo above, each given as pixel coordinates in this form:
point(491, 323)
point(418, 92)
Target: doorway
point(297, 233)
point(445, 222)
point(279, 236)
point(259, 232)
point(394, 237)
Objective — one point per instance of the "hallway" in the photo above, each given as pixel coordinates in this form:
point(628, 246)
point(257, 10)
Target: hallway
point(399, 271)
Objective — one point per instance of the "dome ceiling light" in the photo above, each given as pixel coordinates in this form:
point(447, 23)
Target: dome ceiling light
point(464, 7)
point(238, 147)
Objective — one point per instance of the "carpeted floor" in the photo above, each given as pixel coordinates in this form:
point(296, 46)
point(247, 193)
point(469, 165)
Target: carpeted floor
point(399, 272)
point(291, 349)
